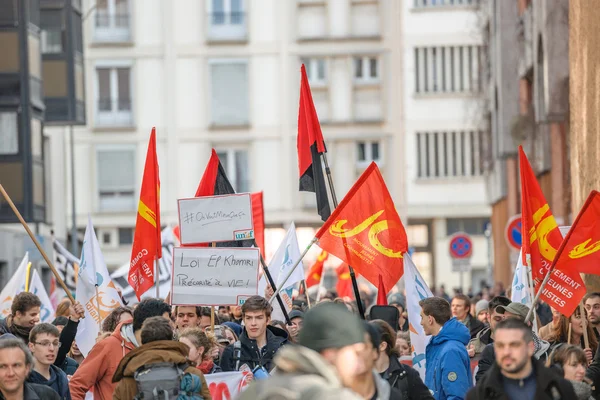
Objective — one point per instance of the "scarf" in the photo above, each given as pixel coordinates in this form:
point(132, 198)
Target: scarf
point(206, 366)
point(128, 334)
point(21, 332)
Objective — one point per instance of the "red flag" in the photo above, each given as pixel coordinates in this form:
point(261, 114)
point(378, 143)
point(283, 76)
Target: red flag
point(344, 283)
point(147, 245)
point(316, 271)
point(381, 293)
point(365, 230)
point(541, 240)
point(310, 145)
point(258, 216)
point(214, 182)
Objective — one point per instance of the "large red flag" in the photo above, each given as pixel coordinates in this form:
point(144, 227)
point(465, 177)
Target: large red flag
point(310, 145)
point(258, 216)
point(343, 286)
point(316, 271)
point(365, 230)
point(381, 293)
point(541, 240)
point(147, 245)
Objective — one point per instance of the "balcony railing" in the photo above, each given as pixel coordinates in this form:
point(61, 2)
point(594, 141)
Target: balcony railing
point(227, 26)
point(112, 27)
point(445, 3)
point(114, 112)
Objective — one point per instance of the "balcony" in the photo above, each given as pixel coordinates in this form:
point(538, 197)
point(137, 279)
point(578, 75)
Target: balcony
point(227, 27)
point(114, 113)
point(112, 28)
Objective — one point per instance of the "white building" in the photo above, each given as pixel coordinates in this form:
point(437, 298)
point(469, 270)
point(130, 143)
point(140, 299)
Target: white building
point(444, 126)
point(225, 74)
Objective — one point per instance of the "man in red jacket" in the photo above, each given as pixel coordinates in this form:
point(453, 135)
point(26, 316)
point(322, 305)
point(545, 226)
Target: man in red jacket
point(99, 366)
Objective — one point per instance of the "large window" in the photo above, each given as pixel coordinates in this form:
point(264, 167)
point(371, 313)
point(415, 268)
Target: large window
point(471, 226)
point(229, 92)
point(448, 69)
point(114, 106)
point(449, 154)
point(368, 152)
point(112, 21)
point(52, 31)
point(235, 163)
point(116, 179)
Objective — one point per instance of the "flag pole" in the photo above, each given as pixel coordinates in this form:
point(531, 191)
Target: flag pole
point(313, 241)
point(361, 311)
point(98, 305)
point(586, 339)
point(272, 284)
point(37, 244)
point(303, 283)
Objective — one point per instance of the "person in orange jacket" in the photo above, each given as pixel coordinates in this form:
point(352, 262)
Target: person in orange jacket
point(99, 366)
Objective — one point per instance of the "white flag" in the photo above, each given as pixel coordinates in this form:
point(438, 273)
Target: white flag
point(36, 287)
point(416, 290)
point(521, 289)
point(280, 266)
point(15, 285)
point(93, 274)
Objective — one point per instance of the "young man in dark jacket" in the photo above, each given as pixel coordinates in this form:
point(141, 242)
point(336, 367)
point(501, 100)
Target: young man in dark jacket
point(258, 342)
point(517, 374)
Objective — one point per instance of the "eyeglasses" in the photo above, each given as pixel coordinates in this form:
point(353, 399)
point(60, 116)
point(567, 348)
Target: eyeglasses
point(56, 344)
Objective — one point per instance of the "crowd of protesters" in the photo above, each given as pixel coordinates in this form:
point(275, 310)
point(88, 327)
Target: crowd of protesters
point(482, 346)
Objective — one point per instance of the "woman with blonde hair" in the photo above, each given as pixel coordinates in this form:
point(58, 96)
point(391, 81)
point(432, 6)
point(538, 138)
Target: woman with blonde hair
point(200, 345)
point(570, 331)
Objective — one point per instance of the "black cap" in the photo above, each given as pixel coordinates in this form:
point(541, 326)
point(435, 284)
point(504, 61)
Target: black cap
point(330, 326)
point(296, 314)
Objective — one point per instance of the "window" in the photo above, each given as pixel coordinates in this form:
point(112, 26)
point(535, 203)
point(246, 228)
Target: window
point(235, 163)
point(229, 93)
point(227, 20)
point(471, 226)
point(316, 70)
point(446, 3)
point(9, 133)
point(448, 69)
point(116, 179)
point(366, 69)
point(106, 238)
point(449, 154)
point(112, 21)
point(125, 236)
point(368, 152)
point(114, 96)
point(52, 26)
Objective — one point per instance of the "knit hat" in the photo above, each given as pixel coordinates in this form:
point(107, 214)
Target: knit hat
point(518, 309)
point(481, 305)
point(330, 326)
point(397, 299)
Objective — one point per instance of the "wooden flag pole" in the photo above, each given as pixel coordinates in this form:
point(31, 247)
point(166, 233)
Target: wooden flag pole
point(303, 283)
point(586, 339)
point(212, 309)
point(37, 244)
point(359, 305)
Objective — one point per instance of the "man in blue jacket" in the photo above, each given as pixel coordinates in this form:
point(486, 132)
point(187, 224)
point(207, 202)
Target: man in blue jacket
point(448, 372)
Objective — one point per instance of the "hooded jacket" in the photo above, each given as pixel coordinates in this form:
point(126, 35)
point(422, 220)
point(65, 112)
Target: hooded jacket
point(58, 381)
point(448, 373)
point(482, 339)
point(149, 353)
point(32, 391)
point(413, 388)
point(301, 374)
point(251, 355)
point(99, 366)
point(549, 386)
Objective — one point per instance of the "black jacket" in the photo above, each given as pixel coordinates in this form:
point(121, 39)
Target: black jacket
point(593, 372)
point(58, 381)
point(67, 337)
point(32, 391)
point(550, 386)
point(69, 366)
point(474, 325)
point(251, 355)
point(406, 381)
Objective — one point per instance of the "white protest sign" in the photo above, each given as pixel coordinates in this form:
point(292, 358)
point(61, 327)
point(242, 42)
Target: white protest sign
point(216, 219)
point(214, 276)
point(226, 385)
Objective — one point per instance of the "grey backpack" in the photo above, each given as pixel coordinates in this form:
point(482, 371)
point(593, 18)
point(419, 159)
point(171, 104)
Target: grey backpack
point(159, 381)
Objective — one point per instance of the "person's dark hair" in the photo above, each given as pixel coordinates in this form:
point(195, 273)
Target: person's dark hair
point(438, 308)
point(149, 308)
point(198, 311)
point(563, 353)
point(516, 324)
point(590, 296)
point(42, 328)
point(112, 320)
point(278, 324)
point(373, 335)
point(24, 302)
point(18, 344)
point(224, 318)
point(156, 328)
point(205, 312)
point(257, 303)
point(498, 301)
point(464, 298)
point(60, 321)
point(199, 338)
point(387, 334)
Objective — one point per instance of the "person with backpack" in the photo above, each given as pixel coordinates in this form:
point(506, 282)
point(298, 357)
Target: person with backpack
point(403, 378)
point(158, 369)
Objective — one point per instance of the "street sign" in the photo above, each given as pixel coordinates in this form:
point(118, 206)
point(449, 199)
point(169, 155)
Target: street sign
point(461, 265)
point(461, 246)
point(513, 234)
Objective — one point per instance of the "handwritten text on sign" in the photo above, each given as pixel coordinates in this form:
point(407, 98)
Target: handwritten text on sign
point(214, 275)
point(216, 219)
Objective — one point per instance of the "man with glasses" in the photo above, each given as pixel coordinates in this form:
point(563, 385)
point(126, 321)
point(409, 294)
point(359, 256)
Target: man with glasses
point(44, 345)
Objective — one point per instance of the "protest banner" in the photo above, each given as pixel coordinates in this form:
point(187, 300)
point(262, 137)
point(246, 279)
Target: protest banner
point(37, 287)
point(215, 219)
point(226, 385)
point(214, 276)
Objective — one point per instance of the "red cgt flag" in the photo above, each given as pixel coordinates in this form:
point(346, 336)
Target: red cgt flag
point(316, 271)
point(365, 230)
point(381, 293)
point(343, 286)
point(147, 245)
point(541, 241)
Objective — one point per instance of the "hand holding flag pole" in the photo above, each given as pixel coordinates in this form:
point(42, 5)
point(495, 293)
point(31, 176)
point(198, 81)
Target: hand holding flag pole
point(37, 244)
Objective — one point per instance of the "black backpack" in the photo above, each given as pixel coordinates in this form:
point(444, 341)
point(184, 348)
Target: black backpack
point(160, 381)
